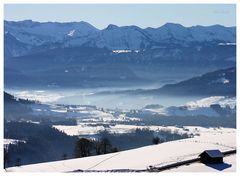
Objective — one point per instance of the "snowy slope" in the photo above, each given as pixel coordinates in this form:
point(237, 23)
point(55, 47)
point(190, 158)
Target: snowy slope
point(35, 33)
point(207, 102)
point(88, 129)
point(141, 158)
point(194, 108)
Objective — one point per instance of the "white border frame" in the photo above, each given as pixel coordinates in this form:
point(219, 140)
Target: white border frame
point(2, 2)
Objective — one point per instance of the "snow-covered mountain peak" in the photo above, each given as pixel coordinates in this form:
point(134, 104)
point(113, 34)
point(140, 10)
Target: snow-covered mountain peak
point(29, 23)
point(82, 25)
point(35, 33)
point(172, 26)
point(114, 37)
point(111, 27)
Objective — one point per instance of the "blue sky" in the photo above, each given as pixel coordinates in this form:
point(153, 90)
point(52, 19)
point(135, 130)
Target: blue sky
point(142, 15)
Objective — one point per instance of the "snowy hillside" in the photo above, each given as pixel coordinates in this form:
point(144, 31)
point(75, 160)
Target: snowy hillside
point(154, 155)
point(207, 102)
point(210, 106)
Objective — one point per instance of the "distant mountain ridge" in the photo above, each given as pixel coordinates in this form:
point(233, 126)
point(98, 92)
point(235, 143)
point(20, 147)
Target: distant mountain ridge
point(217, 83)
point(75, 34)
point(220, 82)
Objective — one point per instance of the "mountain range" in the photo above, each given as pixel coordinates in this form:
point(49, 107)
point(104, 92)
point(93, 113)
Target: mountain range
point(76, 54)
point(30, 35)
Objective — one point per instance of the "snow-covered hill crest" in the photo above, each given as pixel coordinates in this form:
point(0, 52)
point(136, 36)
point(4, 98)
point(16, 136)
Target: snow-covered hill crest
point(141, 158)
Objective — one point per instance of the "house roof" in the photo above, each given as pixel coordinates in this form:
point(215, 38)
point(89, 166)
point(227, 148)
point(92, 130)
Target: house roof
point(213, 153)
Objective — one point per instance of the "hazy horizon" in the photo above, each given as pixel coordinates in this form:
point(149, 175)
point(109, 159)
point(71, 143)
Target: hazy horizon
point(142, 15)
point(62, 22)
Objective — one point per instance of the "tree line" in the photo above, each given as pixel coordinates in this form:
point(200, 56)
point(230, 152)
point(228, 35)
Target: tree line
point(87, 147)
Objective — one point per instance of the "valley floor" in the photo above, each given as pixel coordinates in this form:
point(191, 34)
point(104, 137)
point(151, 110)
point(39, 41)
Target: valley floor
point(159, 155)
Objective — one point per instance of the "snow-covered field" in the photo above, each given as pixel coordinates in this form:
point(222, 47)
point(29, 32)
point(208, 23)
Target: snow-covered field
point(86, 129)
point(159, 155)
point(80, 112)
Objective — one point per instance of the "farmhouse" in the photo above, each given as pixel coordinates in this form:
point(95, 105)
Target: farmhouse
point(211, 157)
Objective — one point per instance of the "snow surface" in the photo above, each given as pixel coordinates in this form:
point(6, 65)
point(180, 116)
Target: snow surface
point(207, 102)
point(194, 108)
point(71, 33)
point(183, 111)
point(121, 51)
point(227, 44)
point(39, 95)
point(163, 154)
point(12, 141)
point(82, 113)
point(86, 129)
point(125, 51)
point(222, 80)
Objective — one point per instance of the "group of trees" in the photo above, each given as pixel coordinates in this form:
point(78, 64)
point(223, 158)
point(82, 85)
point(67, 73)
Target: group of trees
point(140, 137)
point(156, 140)
point(7, 158)
point(40, 143)
point(87, 147)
